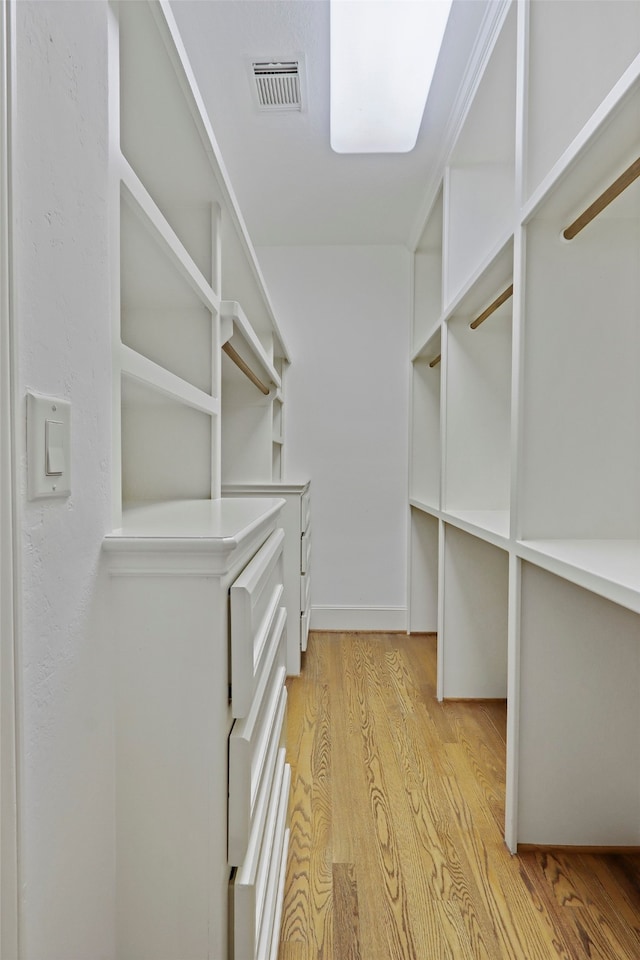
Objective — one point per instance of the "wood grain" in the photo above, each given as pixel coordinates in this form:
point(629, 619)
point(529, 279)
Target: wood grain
point(397, 810)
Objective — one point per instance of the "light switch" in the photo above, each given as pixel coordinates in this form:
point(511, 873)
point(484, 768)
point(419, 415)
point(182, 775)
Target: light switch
point(48, 447)
point(54, 447)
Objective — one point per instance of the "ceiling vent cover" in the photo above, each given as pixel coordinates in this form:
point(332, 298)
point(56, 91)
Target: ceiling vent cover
point(278, 85)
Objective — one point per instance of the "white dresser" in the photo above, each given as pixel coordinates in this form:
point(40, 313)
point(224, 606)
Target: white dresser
point(296, 522)
point(202, 786)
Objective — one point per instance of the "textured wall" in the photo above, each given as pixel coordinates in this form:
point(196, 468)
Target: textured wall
point(62, 314)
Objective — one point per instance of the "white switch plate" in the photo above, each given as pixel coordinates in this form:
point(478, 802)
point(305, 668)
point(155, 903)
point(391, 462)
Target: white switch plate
point(58, 412)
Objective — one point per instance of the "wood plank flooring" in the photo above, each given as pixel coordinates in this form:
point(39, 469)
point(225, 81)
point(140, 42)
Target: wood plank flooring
point(397, 809)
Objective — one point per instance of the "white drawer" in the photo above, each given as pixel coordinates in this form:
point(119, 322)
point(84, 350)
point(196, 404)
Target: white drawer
point(257, 887)
point(305, 590)
point(305, 620)
point(253, 748)
point(305, 550)
point(305, 509)
point(255, 600)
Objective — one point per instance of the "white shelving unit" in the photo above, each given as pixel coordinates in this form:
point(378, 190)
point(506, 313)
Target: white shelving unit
point(188, 285)
point(200, 625)
point(525, 463)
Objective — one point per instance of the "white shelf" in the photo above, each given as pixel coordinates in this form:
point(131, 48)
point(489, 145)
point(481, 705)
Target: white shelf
point(244, 341)
point(430, 508)
point(609, 568)
point(201, 524)
point(143, 205)
point(493, 274)
point(489, 525)
point(156, 378)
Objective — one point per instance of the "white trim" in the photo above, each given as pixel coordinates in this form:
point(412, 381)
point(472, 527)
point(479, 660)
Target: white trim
point(9, 608)
point(358, 618)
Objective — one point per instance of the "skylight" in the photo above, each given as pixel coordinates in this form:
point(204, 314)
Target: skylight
point(383, 56)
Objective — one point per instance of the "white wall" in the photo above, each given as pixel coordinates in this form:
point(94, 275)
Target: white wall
point(61, 310)
point(344, 311)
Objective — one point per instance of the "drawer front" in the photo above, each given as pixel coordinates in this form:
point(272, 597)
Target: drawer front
point(255, 600)
point(305, 509)
point(305, 620)
point(305, 590)
point(257, 886)
point(253, 749)
point(305, 550)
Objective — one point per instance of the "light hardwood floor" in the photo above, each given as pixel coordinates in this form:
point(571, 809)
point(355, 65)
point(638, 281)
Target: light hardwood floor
point(397, 809)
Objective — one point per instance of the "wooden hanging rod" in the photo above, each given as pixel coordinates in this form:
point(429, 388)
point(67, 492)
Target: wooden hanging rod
point(624, 180)
point(435, 361)
point(248, 372)
point(492, 307)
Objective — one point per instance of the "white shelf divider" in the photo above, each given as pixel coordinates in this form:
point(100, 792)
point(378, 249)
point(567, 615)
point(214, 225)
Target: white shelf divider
point(141, 202)
point(155, 377)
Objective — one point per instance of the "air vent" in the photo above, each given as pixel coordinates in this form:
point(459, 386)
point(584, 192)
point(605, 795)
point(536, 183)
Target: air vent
point(278, 85)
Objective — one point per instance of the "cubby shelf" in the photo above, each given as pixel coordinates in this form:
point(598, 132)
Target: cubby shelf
point(609, 568)
point(525, 455)
point(156, 378)
point(175, 306)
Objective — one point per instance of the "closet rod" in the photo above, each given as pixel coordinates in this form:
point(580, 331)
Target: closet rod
point(248, 372)
point(435, 361)
point(492, 307)
point(624, 180)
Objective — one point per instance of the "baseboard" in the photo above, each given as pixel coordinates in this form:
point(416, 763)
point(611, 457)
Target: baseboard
point(384, 619)
point(594, 849)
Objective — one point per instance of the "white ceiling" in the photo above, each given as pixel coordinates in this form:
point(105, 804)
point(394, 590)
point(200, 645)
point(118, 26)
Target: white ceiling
point(292, 188)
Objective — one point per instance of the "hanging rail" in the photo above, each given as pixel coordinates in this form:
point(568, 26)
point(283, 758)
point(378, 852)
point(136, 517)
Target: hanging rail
point(504, 296)
point(435, 361)
point(246, 369)
point(624, 180)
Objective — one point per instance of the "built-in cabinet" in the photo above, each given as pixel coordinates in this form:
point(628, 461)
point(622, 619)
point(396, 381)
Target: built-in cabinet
point(525, 447)
point(199, 612)
point(295, 519)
